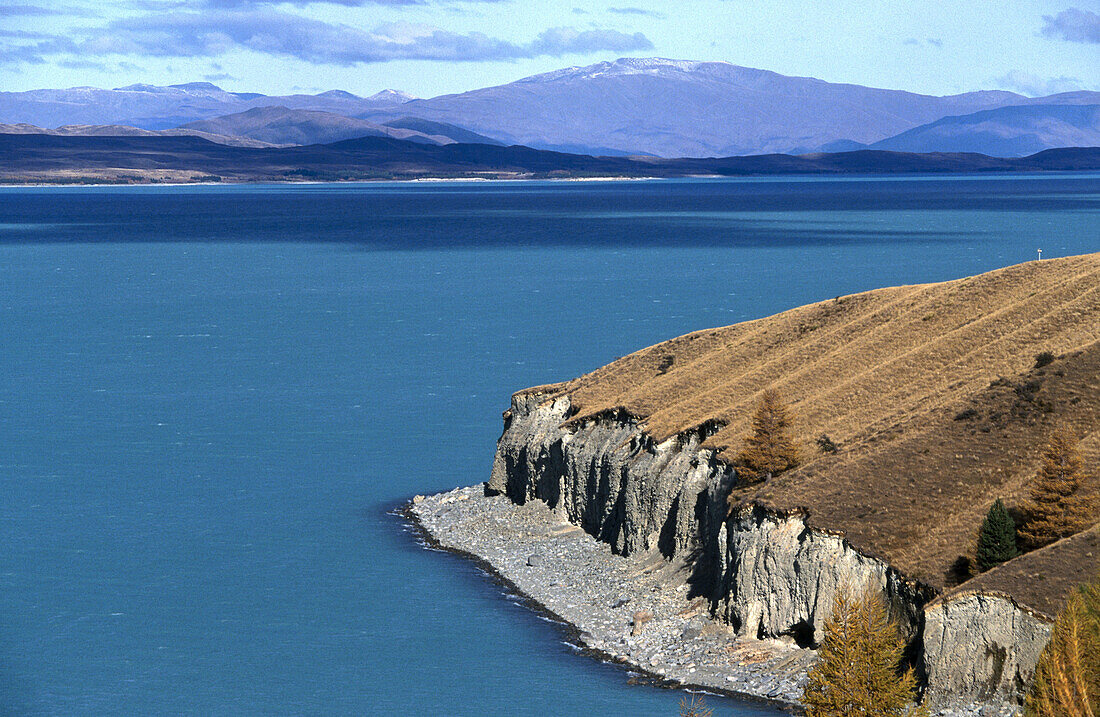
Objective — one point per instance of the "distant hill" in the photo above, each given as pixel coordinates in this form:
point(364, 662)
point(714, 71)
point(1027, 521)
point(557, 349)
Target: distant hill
point(52, 158)
point(677, 108)
point(114, 130)
point(441, 129)
point(1013, 131)
point(155, 107)
point(282, 125)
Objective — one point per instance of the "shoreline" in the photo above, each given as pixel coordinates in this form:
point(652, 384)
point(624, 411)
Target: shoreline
point(417, 180)
point(580, 585)
point(777, 176)
point(574, 636)
point(574, 580)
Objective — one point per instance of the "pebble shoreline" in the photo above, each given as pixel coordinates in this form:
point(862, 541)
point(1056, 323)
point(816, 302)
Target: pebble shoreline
point(578, 581)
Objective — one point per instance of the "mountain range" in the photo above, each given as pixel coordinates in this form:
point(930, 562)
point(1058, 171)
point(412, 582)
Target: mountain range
point(117, 130)
point(154, 107)
point(630, 106)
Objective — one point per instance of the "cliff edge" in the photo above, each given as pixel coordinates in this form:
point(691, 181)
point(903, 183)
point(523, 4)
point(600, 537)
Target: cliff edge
point(935, 398)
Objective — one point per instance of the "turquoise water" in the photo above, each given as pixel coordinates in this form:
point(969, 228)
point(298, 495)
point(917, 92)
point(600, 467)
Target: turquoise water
point(211, 398)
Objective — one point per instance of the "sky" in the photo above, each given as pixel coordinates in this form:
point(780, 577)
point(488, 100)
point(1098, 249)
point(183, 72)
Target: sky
point(432, 47)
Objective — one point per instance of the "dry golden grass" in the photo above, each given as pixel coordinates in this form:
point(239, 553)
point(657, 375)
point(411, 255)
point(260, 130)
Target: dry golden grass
point(884, 374)
point(1042, 579)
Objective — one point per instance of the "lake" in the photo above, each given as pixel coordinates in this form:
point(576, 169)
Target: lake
point(212, 398)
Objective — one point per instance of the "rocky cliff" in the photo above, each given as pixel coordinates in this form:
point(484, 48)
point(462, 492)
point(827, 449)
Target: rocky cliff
point(939, 405)
point(981, 646)
point(767, 574)
point(607, 476)
point(779, 577)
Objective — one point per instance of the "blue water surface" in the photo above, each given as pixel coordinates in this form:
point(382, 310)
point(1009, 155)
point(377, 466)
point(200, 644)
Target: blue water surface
point(211, 398)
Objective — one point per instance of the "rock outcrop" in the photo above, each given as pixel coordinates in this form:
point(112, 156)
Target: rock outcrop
point(607, 476)
point(766, 574)
point(981, 646)
point(779, 577)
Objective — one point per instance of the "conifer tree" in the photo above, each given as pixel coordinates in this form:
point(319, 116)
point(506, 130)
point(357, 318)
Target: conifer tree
point(1057, 508)
point(997, 537)
point(697, 707)
point(1067, 678)
point(858, 672)
point(769, 449)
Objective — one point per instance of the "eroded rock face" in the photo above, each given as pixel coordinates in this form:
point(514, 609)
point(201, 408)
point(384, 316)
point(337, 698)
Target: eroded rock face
point(607, 476)
point(981, 647)
point(767, 575)
point(781, 578)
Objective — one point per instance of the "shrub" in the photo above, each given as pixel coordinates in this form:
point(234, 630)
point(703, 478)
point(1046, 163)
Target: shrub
point(697, 707)
point(826, 444)
point(967, 414)
point(1043, 359)
point(666, 364)
point(769, 450)
point(1057, 508)
point(857, 672)
point(960, 571)
point(996, 538)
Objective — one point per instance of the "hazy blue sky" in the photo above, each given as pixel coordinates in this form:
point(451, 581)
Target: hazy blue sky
point(430, 47)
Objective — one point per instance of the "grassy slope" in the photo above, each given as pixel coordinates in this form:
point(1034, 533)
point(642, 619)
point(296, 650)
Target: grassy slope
point(885, 374)
point(1042, 579)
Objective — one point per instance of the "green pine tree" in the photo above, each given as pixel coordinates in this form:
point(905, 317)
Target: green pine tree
point(997, 537)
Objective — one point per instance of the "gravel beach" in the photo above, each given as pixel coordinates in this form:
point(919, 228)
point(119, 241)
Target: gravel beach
point(637, 611)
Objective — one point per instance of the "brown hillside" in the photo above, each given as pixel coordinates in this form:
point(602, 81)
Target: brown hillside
point(1043, 579)
point(917, 496)
point(930, 390)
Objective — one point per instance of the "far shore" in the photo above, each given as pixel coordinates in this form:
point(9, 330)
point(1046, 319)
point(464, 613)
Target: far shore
point(416, 180)
point(37, 184)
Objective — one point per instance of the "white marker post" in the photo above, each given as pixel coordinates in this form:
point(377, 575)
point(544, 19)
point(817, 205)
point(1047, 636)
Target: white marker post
point(1040, 255)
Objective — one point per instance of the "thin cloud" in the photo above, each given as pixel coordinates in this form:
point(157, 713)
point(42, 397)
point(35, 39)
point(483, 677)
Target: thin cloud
point(559, 41)
point(101, 66)
point(32, 54)
point(1073, 25)
point(1034, 86)
point(215, 33)
point(243, 4)
point(26, 35)
point(82, 65)
point(637, 11)
point(8, 10)
point(26, 10)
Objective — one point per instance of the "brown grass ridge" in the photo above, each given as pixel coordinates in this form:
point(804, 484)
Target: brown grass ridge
point(931, 391)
